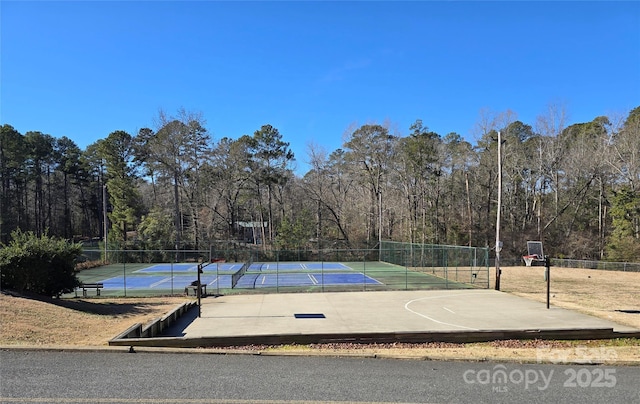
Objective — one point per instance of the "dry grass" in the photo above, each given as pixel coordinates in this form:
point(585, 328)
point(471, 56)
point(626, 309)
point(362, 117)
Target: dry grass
point(611, 295)
point(92, 322)
point(77, 322)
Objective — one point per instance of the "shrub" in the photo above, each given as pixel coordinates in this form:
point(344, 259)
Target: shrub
point(41, 265)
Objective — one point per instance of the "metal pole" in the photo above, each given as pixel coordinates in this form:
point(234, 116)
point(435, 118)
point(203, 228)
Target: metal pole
point(406, 275)
point(322, 274)
point(379, 224)
point(364, 270)
point(198, 291)
point(104, 220)
point(547, 263)
point(498, 242)
point(124, 273)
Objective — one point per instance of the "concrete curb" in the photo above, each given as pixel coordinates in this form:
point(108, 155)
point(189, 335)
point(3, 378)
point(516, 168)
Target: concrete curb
point(125, 339)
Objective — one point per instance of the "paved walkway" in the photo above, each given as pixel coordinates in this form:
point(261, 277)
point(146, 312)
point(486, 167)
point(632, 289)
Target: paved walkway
point(378, 312)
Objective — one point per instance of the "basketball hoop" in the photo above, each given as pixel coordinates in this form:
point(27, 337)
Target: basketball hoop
point(528, 259)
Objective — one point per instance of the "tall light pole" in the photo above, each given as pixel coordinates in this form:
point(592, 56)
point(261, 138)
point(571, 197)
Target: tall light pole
point(105, 218)
point(379, 216)
point(498, 242)
point(379, 224)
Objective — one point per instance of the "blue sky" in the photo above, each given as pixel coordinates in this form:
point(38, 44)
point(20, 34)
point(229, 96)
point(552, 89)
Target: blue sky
point(312, 70)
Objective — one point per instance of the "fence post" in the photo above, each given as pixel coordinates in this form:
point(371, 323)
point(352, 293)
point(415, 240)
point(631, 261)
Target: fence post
point(364, 271)
point(322, 275)
point(406, 275)
point(124, 273)
point(217, 278)
point(457, 256)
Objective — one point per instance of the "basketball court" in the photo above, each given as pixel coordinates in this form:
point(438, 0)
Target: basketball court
point(283, 318)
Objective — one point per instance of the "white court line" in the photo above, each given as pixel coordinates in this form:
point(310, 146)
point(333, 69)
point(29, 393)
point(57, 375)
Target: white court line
point(303, 266)
point(313, 279)
point(153, 285)
point(406, 306)
point(449, 310)
point(373, 279)
point(264, 279)
point(214, 281)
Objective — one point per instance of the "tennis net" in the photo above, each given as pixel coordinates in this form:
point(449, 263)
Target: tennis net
point(236, 276)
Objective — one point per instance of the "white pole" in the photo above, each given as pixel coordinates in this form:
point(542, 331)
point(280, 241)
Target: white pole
point(379, 217)
point(105, 220)
point(379, 225)
point(498, 242)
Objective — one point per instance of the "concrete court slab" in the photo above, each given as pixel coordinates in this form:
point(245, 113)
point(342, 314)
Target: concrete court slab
point(373, 312)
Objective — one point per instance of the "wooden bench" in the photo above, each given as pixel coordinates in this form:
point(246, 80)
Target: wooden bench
point(85, 286)
point(203, 290)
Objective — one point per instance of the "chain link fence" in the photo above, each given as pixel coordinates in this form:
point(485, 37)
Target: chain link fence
point(603, 265)
point(250, 269)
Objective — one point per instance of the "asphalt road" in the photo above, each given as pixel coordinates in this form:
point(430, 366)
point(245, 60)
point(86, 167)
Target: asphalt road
point(120, 377)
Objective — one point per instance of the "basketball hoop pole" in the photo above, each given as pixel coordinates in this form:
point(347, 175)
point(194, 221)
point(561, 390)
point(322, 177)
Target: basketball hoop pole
point(547, 264)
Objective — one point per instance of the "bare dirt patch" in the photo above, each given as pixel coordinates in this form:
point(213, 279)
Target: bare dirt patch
point(610, 295)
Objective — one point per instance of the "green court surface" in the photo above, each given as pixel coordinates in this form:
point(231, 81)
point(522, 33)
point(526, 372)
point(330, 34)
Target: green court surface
point(273, 277)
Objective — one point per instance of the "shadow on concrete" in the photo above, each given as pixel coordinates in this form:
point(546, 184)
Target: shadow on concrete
point(178, 327)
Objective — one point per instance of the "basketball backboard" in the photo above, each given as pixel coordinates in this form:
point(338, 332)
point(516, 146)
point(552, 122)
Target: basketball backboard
point(534, 248)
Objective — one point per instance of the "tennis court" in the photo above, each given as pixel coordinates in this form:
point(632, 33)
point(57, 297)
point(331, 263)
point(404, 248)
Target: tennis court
point(126, 279)
point(252, 280)
point(219, 275)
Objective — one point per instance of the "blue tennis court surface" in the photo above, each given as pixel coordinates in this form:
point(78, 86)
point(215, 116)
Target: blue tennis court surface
point(165, 282)
point(190, 267)
point(306, 279)
point(248, 280)
point(255, 267)
point(300, 266)
point(177, 276)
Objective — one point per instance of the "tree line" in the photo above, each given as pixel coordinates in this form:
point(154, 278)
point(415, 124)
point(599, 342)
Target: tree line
point(575, 187)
